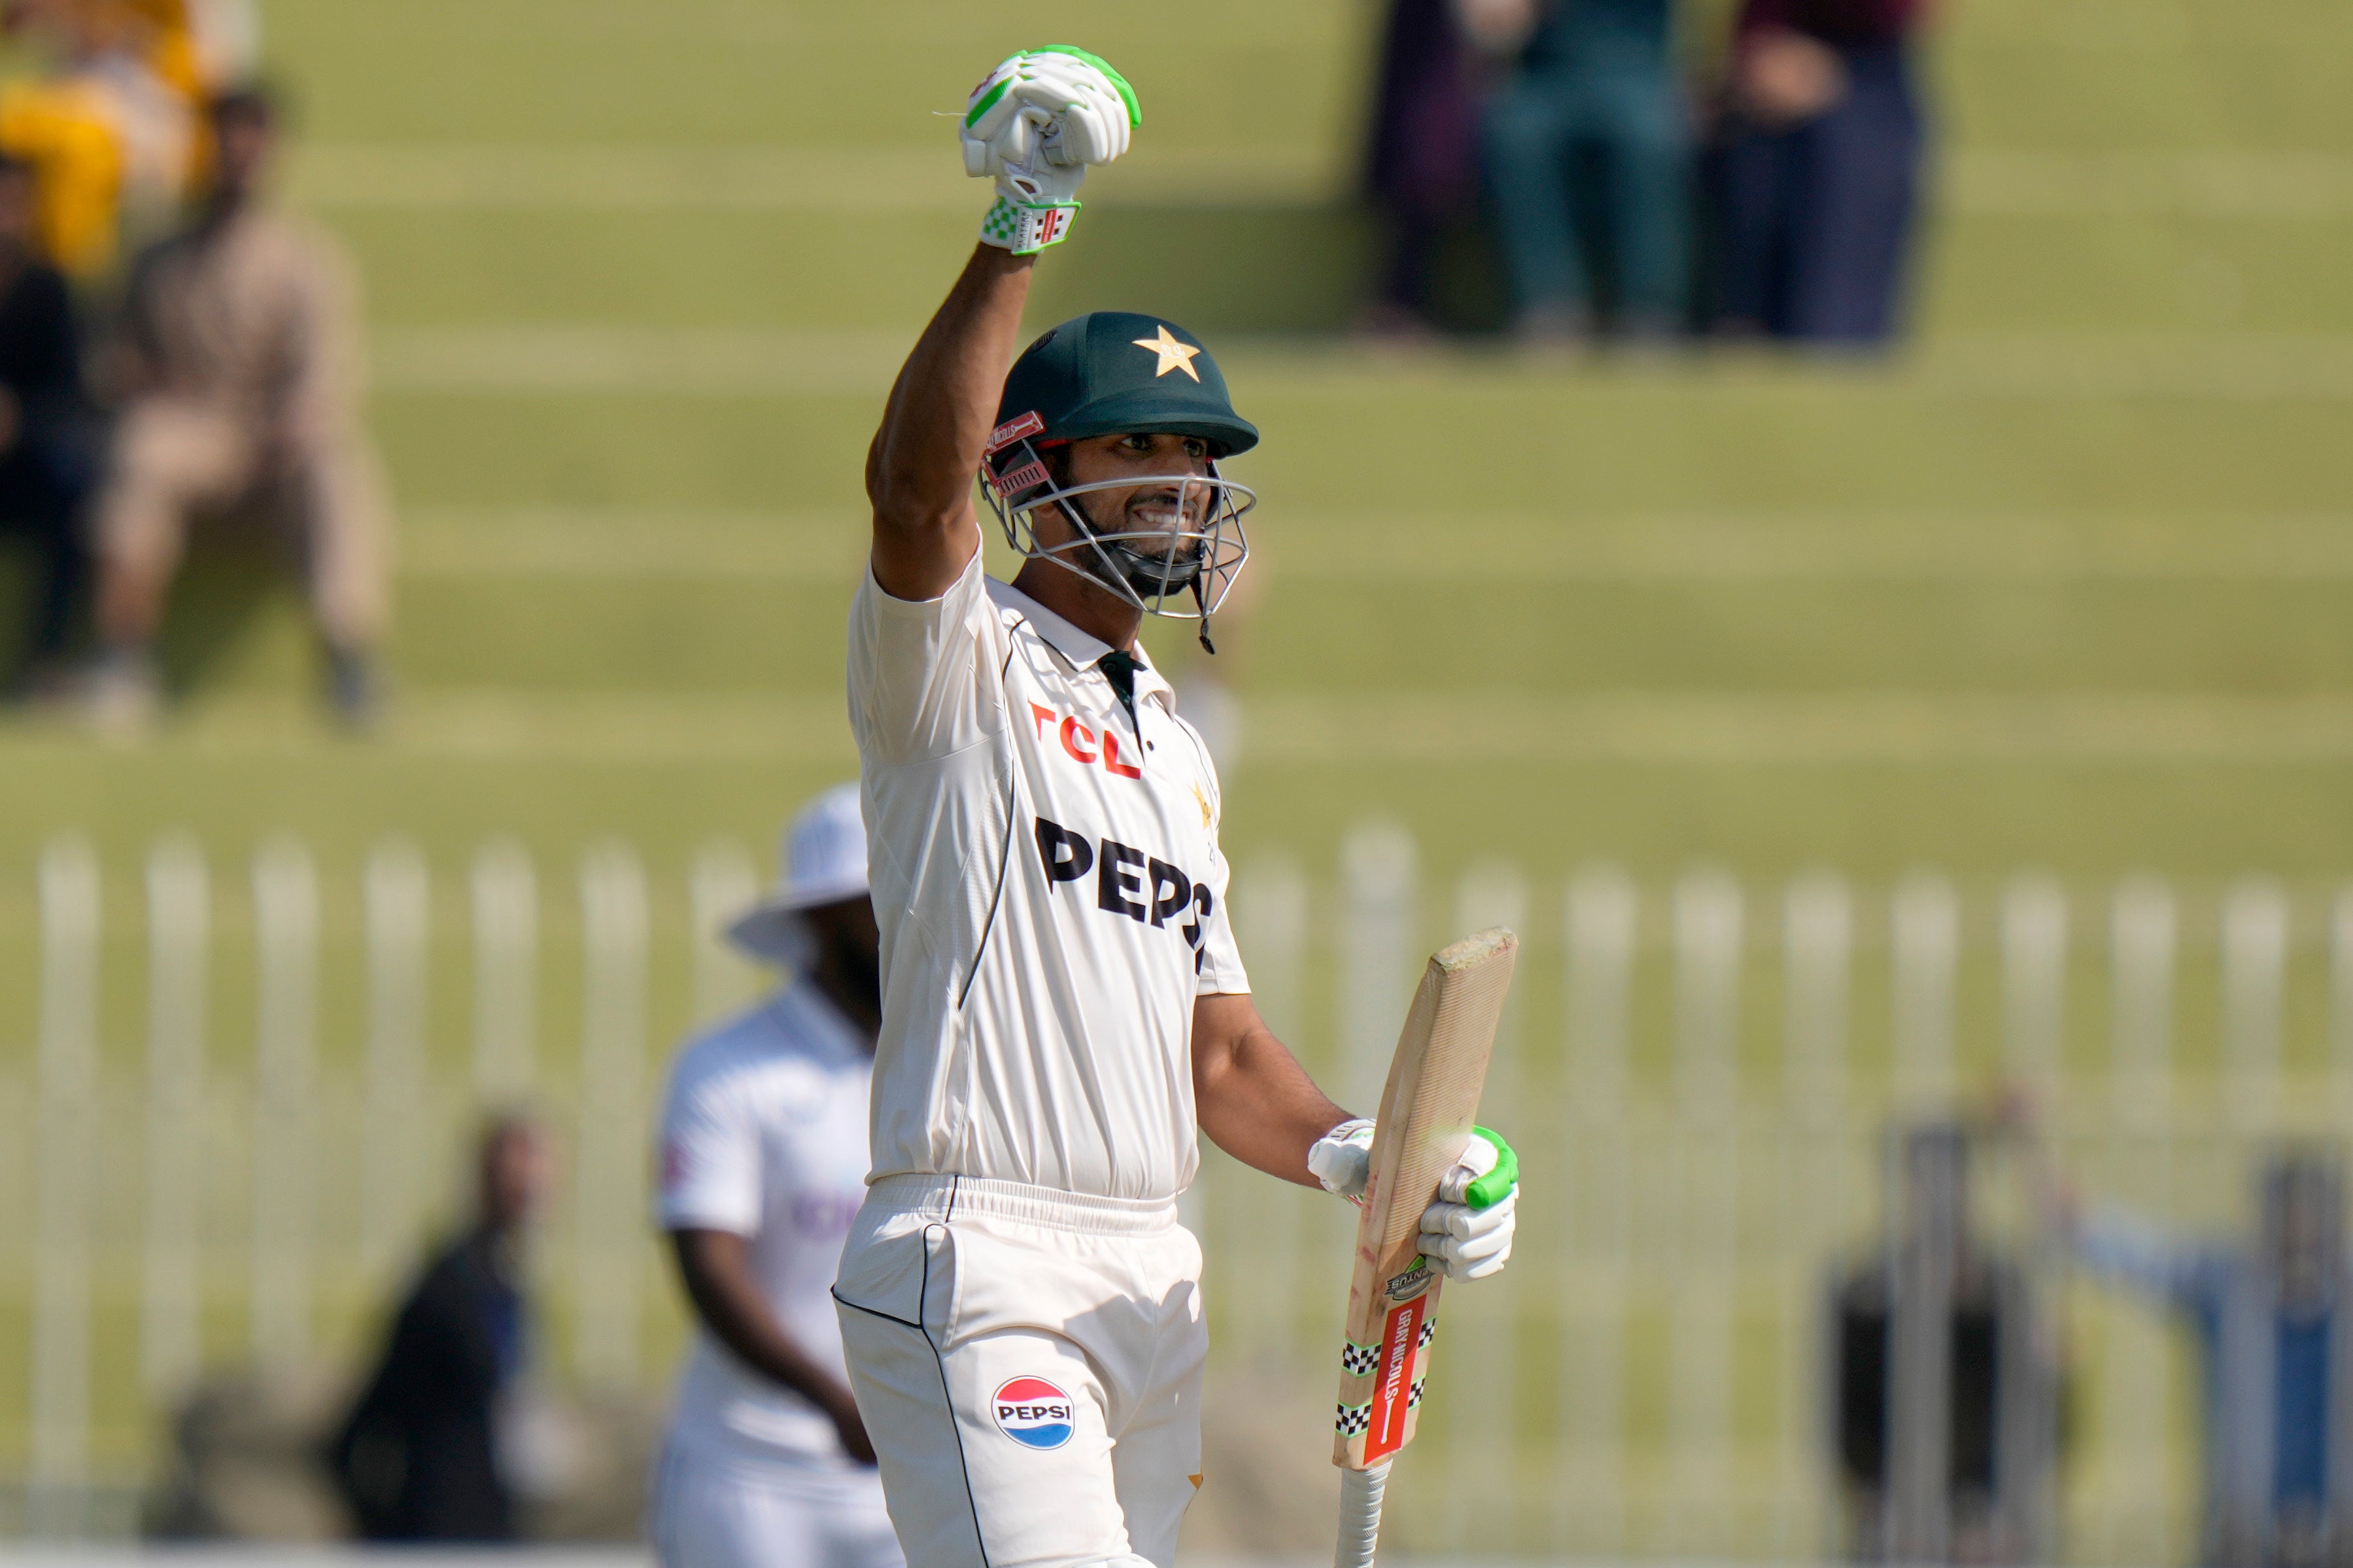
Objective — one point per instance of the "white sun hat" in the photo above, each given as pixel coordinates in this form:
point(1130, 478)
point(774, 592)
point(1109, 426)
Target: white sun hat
point(822, 860)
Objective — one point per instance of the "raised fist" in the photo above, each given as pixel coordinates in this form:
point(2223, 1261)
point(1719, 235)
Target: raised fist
point(1034, 125)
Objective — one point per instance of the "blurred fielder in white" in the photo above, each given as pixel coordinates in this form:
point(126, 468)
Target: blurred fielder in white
point(764, 1162)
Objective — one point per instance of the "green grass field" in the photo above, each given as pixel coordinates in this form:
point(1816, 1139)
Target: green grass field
point(2069, 582)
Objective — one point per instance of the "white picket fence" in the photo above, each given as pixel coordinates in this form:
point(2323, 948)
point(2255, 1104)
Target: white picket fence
point(243, 1107)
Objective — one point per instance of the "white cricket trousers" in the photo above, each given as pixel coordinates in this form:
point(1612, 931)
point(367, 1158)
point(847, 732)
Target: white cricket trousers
point(712, 1513)
point(1029, 1364)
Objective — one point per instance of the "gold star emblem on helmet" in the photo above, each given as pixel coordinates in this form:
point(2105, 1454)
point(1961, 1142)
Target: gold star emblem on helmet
point(1174, 356)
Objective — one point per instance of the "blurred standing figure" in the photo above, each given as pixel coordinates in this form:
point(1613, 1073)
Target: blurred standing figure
point(1599, 74)
point(1422, 166)
point(2275, 1344)
point(764, 1162)
point(241, 369)
point(1945, 1397)
point(419, 1458)
point(45, 467)
point(1819, 169)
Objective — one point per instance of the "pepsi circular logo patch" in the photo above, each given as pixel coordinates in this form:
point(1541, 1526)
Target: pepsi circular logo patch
point(1034, 1413)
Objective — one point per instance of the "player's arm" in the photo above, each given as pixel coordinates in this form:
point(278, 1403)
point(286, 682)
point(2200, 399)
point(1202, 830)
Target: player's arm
point(919, 471)
point(1253, 1099)
point(715, 1265)
point(1035, 125)
point(1256, 1102)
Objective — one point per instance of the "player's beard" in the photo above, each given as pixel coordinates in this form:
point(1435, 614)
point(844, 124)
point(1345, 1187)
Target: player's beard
point(1143, 572)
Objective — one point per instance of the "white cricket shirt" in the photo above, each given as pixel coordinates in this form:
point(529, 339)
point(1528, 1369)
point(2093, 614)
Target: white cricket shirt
point(763, 1136)
point(1050, 895)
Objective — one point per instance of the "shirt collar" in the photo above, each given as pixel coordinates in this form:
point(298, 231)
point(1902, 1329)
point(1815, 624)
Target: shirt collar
point(1081, 649)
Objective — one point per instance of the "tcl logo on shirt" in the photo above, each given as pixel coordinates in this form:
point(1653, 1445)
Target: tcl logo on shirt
point(1144, 887)
point(1081, 744)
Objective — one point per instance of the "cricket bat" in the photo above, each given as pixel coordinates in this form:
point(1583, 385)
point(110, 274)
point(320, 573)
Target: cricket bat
point(1425, 1117)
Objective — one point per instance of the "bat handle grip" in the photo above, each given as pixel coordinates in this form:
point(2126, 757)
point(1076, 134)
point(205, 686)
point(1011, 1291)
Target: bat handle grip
point(1360, 1514)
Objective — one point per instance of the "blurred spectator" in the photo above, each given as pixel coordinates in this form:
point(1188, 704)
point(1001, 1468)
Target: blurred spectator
point(201, 47)
point(2276, 1371)
point(1819, 169)
point(1598, 75)
point(44, 434)
point(113, 124)
point(421, 1456)
point(1422, 166)
point(1946, 1401)
point(764, 1162)
point(239, 399)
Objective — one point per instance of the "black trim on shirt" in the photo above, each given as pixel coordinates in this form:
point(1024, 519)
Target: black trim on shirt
point(1004, 860)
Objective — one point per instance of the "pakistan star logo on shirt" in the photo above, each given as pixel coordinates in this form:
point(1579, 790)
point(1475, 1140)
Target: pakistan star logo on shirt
point(1203, 801)
point(1174, 356)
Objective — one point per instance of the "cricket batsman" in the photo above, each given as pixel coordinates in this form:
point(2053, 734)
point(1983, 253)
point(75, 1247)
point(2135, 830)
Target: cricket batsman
point(1063, 1005)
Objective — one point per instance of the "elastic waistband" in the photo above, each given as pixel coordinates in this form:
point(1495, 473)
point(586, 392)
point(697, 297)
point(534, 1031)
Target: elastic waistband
point(950, 1197)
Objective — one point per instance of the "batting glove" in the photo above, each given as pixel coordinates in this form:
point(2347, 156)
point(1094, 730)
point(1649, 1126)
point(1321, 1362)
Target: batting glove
point(1343, 1159)
point(1033, 125)
point(1468, 1231)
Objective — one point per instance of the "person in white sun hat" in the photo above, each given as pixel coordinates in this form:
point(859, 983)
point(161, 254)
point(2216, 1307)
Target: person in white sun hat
point(763, 1164)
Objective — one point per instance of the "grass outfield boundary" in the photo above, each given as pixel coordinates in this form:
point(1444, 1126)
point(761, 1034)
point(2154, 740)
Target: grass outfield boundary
point(507, 177)
point(1321, 729)
point(510, 356)
point(1763, 546)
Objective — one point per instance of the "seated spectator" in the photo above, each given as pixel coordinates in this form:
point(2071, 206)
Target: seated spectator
point(200, 47)
point(1818, 171)
point(1596, 74)
point(113, 140)
point(1422, 166)
point(44, 436)
point(240, 401)
point(419, 1458)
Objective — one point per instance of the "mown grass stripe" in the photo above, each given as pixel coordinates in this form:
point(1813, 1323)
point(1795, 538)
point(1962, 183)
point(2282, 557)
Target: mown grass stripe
point(516, 357)
point(1762, 547)
point(499, 177)
point(1299, 730)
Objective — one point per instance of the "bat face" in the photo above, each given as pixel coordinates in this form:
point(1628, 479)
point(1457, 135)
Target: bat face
point(1426, 1112)
point(1386, 1419)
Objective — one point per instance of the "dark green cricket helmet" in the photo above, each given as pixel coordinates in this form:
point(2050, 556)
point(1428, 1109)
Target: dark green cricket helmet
point(1114, 372)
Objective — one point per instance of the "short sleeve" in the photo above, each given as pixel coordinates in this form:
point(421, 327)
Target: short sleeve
point(920, 668)
point(710, 1174)
point(1220, 971)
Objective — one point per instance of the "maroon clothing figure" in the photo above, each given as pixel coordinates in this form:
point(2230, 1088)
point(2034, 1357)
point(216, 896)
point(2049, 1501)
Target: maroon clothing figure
point(1835, 21)
point(1422, 166)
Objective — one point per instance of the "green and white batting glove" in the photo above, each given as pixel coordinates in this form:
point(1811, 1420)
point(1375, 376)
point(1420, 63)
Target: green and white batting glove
point(1468, 1231)
point(1034, 125)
